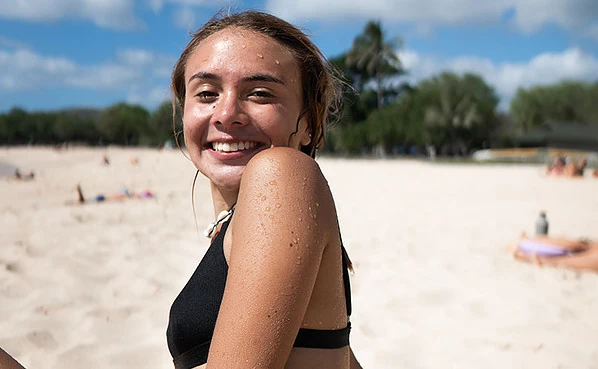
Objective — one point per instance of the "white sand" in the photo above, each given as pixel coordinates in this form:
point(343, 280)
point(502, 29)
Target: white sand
point(91, 286)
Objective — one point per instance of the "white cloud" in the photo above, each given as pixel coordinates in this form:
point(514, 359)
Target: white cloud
point(157, 5)
point(528, 15)
point(506, 77)
point(154, 97)
point(114, 14)
point(21, 69)
point(184, 18)
point(133, 72)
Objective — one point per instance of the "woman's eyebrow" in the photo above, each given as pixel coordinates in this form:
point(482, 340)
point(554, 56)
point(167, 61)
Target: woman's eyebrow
point(252, 78)
point(203, 75)
point(263, 78)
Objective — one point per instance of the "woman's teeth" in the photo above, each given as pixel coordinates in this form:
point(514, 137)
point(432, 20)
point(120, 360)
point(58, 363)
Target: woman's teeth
point(232, 147)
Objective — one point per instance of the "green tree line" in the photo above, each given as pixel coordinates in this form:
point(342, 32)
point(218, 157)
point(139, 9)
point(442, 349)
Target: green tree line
point(120, 124)
point(454, 113)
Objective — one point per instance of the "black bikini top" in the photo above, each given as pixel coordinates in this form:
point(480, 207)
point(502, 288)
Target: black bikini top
point(193, 313)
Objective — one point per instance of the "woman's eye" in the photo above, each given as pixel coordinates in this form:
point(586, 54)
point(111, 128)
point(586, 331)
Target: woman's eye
point(261, 94)
point(206, 95)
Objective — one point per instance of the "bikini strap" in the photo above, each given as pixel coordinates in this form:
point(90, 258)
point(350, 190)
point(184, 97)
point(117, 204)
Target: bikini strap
point(346, 280)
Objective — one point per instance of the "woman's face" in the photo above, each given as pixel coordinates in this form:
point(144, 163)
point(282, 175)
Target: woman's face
point(243, 95)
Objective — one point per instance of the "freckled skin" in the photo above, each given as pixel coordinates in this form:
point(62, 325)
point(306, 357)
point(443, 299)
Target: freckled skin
point(234, 108)
point(283, 243)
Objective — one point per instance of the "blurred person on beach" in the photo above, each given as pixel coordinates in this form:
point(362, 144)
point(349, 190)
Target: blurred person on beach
point(566, 166)
point(23, 177)
point(125, 194)
point(581, 167)
point(272, 290)
point(556, 167)
point(557, 252)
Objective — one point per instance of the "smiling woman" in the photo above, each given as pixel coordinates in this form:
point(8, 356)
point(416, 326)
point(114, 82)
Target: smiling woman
point(272, 291)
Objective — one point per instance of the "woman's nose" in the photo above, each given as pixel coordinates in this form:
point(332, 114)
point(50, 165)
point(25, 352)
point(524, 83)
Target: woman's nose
point(228, 110)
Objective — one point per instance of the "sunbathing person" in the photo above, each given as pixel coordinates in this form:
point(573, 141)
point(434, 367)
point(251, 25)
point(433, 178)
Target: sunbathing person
point(123, 195)
point(581, 167)
point(557, 252)
point(556, 167)
point(23, 177)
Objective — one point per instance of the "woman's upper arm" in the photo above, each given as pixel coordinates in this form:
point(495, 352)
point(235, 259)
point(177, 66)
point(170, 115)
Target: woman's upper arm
point(279, 234)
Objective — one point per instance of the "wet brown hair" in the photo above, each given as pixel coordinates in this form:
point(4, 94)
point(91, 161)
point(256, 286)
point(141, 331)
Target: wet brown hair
point(320, 83)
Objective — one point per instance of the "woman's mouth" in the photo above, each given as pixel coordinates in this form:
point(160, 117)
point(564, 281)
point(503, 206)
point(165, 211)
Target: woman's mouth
point(233, 146)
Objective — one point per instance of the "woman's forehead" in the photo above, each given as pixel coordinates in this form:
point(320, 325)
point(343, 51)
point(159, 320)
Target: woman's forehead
point(239, 49)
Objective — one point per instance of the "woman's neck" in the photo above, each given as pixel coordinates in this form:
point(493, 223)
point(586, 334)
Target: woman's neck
point(223, 199)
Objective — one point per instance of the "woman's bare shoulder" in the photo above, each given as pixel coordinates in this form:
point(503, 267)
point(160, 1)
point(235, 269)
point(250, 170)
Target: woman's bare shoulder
point(285, 176)
point(284, 161)
point(283, 192)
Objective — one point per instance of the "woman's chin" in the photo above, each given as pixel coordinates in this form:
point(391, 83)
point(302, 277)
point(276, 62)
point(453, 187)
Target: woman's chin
point(226, 179)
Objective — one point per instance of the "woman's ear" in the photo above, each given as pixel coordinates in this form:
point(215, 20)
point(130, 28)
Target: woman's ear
point(304, 133)
point(306, 139)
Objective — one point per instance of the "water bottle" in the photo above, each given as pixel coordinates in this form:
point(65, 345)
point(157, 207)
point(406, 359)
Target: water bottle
point(542, 225)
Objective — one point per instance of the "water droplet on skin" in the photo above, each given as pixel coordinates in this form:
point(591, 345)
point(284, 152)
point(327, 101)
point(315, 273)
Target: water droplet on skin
point(278, 206)
point(260, 56)
point(276, 61)
point(259, 194)
point(271, 216)
point(295, 240)
point(263, 198)
point(301, 219)
point(267, 208)
point(243, 46)
point(317, 204)
point(272, 182)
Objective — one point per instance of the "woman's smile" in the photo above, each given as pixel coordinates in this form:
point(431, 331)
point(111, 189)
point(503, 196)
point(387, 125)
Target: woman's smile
point(243, 96)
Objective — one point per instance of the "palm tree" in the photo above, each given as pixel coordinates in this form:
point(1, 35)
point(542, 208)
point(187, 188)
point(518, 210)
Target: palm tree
point(376, 56)
point(455, 101)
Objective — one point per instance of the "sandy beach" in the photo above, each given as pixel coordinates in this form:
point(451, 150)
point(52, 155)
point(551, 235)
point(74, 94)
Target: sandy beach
point(91, 285)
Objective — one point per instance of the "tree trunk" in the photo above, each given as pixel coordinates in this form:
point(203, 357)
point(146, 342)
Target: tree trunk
point(379, 85)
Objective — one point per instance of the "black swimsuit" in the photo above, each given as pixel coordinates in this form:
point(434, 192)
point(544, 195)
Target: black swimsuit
point(193, 313)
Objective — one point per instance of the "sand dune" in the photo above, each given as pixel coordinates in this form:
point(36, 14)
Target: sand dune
point(91, 285)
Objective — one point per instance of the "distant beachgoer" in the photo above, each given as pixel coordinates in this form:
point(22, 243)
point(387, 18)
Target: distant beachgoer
point(23, 177)
point(556, 251)
point(581, 167)
point(123, 195)
point(569, 168)
point(566, 167)
point(105, 160)
point(556, 167)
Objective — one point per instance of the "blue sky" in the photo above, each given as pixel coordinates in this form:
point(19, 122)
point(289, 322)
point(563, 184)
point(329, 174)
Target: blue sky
point(94, 53)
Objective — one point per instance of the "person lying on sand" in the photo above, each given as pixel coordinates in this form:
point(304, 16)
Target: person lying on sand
point(23, 177)
point(123, 195)
point(567, 167)
point(557, 252)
